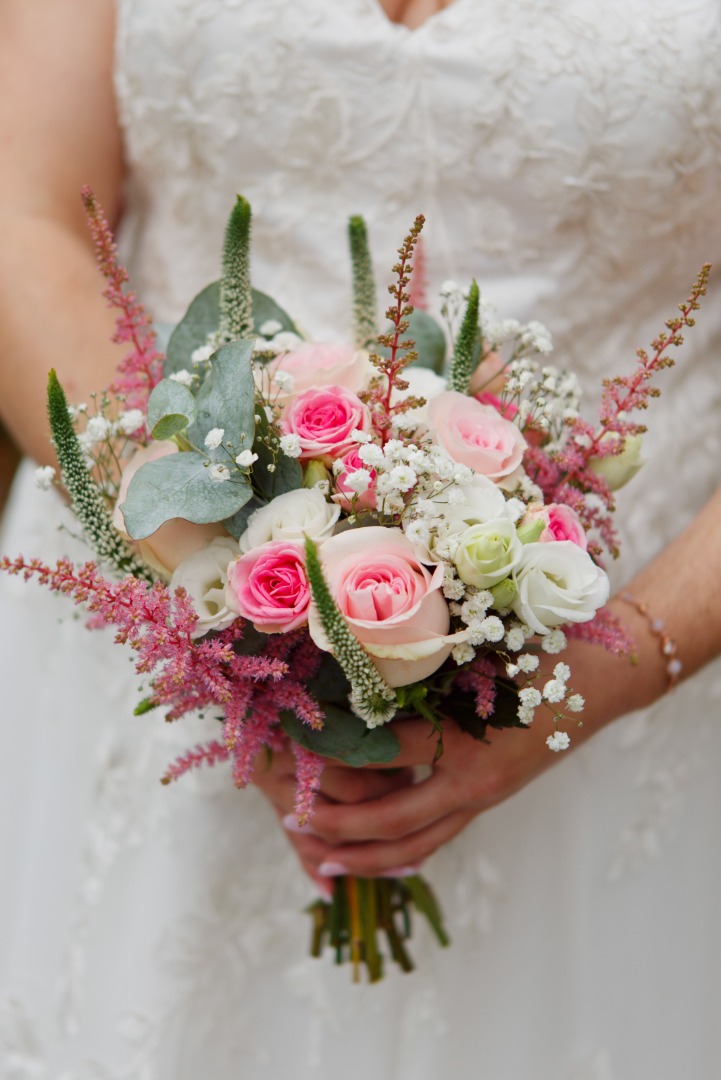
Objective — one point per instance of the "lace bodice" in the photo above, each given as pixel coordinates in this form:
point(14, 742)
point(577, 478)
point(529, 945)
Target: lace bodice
point(565, 154)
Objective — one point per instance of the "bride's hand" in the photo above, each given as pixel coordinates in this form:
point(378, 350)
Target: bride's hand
point(364, 830)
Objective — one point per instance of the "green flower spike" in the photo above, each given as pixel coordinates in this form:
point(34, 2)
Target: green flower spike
point(87, 499)
point(236, 304)
point(463, 356)
point(371, 698)
point(365, 315)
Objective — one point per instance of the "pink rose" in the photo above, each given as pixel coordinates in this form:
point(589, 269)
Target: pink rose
point(475, 435)
point(392, 602)
point(562, 523)
point(269, 587)
point(176, 539)
point(348, 496)
point(320, 363)
point(323, 420)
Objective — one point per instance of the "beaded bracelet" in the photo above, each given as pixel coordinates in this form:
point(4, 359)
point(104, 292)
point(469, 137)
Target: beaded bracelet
point(669, 648)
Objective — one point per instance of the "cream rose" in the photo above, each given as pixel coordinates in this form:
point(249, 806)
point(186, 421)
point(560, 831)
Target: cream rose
point(391, 601)
point(176, 539)
point(204, 575)
point(487, 553)
point(557, 584)
point(292, 516)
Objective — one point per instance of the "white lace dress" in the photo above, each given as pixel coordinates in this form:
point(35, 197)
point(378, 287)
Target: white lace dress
point(566, 153)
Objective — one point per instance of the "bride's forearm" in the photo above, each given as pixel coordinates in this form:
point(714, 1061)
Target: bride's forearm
point(52, 314)
point(681, 588)
point(58, 131)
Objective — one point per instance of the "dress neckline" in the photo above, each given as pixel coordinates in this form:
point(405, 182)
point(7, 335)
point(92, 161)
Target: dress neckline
point(429, 20)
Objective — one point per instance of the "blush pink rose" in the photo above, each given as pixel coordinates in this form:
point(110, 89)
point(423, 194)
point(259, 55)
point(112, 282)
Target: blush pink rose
point(323, 419)
point(269, 587)
point(475, 435)
point(561, 523)
point(347, 497)
point(320, 363)
point(175, 540)
point(391, 600)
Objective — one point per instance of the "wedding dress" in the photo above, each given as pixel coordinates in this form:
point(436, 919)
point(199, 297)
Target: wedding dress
point(567, 154)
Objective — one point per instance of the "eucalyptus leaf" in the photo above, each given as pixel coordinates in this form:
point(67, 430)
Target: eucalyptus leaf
point(344, 737)
point(330, 684)
point(238, 523)
point(200, 320)
point(171, 408)
point(203, 318)
point(179, 486)
point(227, 399)
point(266, 310)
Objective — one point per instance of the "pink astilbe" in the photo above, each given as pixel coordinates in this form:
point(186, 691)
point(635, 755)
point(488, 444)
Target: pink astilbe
point(566, 475)
point(204, 754)
point(418, 289)
point(479, 678)
point(308, 771)
point(142, 368)
point(190, 674)
point(605, 630)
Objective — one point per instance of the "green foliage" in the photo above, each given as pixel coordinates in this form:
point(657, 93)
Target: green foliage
point(287, 474)
point(227, 398)
point(180, 486)
point(201, 322)
point(88, 501)
point(466, 344)
point(236, 305)
point(171, 409)
point(344, 737)
point(365, 315)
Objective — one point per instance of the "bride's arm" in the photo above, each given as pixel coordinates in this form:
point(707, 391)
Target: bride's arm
point(682, 587)
point(58, 131)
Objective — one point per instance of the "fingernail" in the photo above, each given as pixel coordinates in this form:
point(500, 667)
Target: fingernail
point(291, 823)
point(401, 871)
point(325, 889)
point(333, 869)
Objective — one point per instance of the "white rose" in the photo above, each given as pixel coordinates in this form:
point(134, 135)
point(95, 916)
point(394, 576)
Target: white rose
point(292, 516)
point(483, 501)
point(557, 584)
point(487, 553)
point(203, 576)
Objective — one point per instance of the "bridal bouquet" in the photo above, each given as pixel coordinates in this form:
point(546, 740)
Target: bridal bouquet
point(308, 540)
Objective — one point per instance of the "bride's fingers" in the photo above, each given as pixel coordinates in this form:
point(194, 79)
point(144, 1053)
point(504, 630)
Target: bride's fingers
point(346, 785)
point(376, 859)
point(391, 816)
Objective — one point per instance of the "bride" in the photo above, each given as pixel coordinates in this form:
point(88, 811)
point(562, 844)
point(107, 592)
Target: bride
point(566, 155)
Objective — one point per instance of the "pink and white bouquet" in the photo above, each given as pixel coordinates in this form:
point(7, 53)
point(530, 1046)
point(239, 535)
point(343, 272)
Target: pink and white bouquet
point(306, 540)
